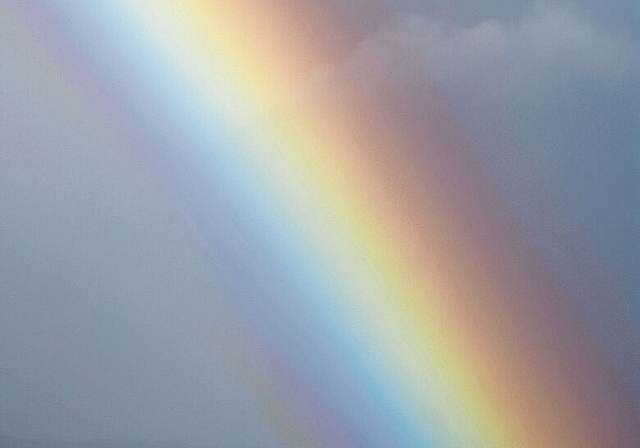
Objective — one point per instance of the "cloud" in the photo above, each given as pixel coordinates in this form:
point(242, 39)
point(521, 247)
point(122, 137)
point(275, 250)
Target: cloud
point(549, 101)
point(550, 42)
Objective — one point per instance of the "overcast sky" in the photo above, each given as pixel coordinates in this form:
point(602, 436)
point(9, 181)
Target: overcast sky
point(548, 91)
point(107, 305)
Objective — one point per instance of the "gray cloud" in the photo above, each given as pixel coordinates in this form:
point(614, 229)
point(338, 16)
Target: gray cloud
point(548, 43)
point(549, 99)
point(613, 14)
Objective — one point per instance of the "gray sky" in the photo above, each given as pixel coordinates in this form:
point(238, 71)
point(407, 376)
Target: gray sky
point(615, 15)
point(553, 87)
point(109, 325)
point(107, 305)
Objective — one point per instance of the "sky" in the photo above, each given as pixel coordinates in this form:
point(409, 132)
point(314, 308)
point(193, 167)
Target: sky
point(129, 310)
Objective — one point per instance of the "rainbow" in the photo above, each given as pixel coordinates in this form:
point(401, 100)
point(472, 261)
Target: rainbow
point(399, 305)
